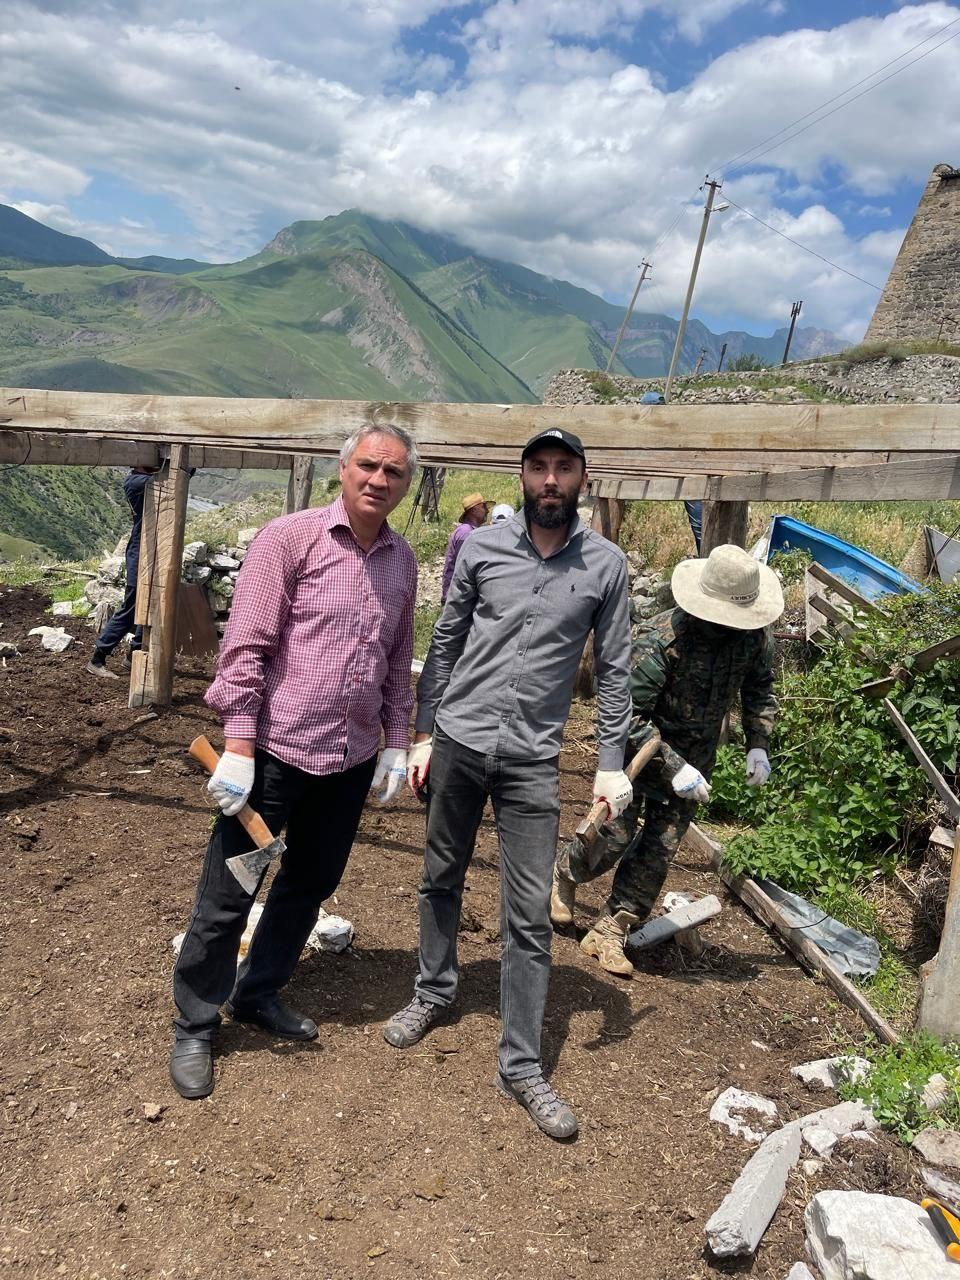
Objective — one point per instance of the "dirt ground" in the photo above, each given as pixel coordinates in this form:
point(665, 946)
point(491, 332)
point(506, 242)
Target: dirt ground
point(346, 1157)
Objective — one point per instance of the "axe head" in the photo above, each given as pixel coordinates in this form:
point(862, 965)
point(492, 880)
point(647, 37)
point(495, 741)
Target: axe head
point(247, 868)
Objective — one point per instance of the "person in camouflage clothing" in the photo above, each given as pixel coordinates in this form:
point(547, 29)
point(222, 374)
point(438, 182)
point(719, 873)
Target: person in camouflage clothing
point(687, 669)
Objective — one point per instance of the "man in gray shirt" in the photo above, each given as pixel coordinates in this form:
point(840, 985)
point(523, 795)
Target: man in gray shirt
point(492, 701)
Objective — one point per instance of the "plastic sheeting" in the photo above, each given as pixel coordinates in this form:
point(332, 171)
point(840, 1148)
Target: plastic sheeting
point(854, 953)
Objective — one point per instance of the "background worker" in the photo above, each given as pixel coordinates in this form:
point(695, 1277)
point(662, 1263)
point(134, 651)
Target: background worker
point(121, 622)
point(493, 699)
point(314, 663)
point(472, 515)
point(687, 670)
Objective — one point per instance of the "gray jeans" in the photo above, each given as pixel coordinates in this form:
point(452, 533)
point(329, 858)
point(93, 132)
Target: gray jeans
point(526, 806)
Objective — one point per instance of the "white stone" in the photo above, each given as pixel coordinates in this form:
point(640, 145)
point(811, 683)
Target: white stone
point(223, 561)
point(943, 1188)
point(728, 1108)
point(822, 1141)
point(858, 1135)
point(53, 638)
point(197, 573)
point(939, 1146)
point(936, 1091)
point(98, 592)
point(112, 569)
point(738, 1225)
point(800, 1271)
point(195, 553)
point(679, 920)
point(811, 1167)
point(841, 1119)
point(246, 536)
point(331, 933)
point(62, 608)
point(852, 1235)
point(829, 1072)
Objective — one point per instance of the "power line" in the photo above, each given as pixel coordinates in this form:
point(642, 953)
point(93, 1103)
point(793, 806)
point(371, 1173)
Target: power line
point(753, 158)
point(805, 248)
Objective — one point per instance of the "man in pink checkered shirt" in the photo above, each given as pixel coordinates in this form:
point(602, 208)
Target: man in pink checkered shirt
point(315, 663)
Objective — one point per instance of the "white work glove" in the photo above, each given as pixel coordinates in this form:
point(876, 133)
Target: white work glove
point(690, 784)
point(613, 786)
point(390, 772)
point(418, 763)
point(231, 782)
point(758, 767)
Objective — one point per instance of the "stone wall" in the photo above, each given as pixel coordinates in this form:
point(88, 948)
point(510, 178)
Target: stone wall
point(922, 294)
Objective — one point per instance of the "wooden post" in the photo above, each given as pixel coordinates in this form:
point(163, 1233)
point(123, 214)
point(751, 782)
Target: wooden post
point(300, 484)
point(939, 1005)
point(151, 676)
point(723, 523)
point(608, 517)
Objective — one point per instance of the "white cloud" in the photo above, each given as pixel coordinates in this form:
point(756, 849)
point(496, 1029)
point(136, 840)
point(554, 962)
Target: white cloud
point(551, 149)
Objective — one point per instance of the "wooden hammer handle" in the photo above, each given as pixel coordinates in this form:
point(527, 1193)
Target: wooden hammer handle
point(639, 762)
point(255, 827)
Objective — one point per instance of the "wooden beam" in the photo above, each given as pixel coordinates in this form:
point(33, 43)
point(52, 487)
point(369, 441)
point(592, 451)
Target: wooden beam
point(300, 484)
point(608, 517)
point(841, 587)
point(171, 520)
point(804, 948)
point(939, 1006)
point(319, 425)
point(724, 523)
point(901, 674)
point(940, 784)
point(48, 448)
point(141, 670)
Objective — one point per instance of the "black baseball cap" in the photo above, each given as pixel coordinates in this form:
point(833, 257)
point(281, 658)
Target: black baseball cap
point(555, 436)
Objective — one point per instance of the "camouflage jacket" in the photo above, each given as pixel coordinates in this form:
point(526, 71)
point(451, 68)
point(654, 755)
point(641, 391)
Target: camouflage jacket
point(685, 676)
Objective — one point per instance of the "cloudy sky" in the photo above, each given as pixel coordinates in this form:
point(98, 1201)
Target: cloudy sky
point(569, 135)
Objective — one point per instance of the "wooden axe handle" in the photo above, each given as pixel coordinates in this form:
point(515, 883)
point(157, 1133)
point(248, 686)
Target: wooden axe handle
point(639, 762)
point(252, 823)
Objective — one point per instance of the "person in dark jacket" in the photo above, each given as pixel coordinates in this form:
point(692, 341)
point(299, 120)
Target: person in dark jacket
point(121, 622)
point(687, 670)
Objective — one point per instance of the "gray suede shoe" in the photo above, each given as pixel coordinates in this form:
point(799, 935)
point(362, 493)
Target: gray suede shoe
point(411, 1023)
point(536, 1095)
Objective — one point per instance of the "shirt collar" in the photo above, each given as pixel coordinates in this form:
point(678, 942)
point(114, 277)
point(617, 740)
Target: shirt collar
point(335, 516)
point(577, 527)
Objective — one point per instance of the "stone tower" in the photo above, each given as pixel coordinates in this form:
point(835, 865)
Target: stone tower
point(922, 294)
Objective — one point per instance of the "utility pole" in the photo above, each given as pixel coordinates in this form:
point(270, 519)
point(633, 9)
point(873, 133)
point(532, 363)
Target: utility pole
point(696, 367)
point(723, 352)
point(712, 188)
point(794, 313)
point(644, 268)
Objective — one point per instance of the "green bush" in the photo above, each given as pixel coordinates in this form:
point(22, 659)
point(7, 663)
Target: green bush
point(846, 797)
point(893, 1087)
point(748, 362)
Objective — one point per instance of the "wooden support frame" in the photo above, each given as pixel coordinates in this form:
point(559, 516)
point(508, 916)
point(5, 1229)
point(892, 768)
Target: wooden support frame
point(724, 523)
point(300, 484)
point(796, 940)
point(939, 782)
point(939, 1005)
point(43, 448)
point(158, 581)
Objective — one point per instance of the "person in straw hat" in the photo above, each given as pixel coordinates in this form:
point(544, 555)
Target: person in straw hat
point(473, 513)
point(686, 672)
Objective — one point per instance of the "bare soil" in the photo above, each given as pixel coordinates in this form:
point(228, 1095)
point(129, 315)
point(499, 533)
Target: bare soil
point(345, 1157)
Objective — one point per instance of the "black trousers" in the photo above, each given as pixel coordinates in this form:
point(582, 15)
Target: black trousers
point(321, 816)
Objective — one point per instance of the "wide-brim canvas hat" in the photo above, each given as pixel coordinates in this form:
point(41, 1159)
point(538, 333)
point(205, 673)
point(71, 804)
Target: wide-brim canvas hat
point(730, 588)
point(474, 500)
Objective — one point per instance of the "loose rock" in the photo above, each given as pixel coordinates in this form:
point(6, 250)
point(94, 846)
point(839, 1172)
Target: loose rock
point(855, 1236)
point(940, 1147)
point(828, 1073)
point(727, 1108)
point(738, 1225)
point(943, 1188)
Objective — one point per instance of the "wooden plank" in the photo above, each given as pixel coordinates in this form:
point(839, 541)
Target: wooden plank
point(299, 485)
point(724, 523)
point(171, 520)
point(939, 1006)
point(940, 784)
point(47, 448)
point(832, 613)
point(196, 634)
point(902, 674)
point(317, 425)
point(805, 950)
point(842, 588)
point(943, 837)
point(608, 517)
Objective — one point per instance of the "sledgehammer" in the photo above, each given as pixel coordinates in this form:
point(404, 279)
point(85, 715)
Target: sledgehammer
point(588, 831)
point(246, 867)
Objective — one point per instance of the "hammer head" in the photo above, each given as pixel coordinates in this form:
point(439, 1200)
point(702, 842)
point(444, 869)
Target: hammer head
point(248, 868)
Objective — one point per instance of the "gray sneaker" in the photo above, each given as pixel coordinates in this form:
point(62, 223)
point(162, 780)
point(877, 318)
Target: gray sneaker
point(411, 1023)
point(546, 1110)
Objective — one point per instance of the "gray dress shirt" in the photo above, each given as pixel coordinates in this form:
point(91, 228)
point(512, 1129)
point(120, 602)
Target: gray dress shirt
point(500, 671)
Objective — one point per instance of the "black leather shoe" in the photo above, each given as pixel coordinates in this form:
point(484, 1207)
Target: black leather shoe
point(191, 1067)
point(271, 1014)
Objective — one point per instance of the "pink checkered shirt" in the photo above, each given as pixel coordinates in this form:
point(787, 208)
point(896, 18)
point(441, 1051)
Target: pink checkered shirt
point(316, 655)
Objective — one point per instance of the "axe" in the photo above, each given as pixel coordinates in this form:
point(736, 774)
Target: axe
point(588, 831)
point(246, 867)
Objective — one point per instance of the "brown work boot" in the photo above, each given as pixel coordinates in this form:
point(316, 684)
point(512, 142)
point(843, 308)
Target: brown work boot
point(563, 897)
point(605, 942)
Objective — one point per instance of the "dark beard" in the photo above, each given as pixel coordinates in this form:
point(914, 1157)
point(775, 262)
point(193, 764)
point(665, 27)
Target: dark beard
point(550, 517)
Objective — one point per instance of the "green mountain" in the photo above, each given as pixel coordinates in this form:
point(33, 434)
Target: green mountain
point(70, 512)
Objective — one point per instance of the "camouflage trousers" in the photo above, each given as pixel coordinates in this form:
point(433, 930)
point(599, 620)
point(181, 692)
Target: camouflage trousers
point(642, 858)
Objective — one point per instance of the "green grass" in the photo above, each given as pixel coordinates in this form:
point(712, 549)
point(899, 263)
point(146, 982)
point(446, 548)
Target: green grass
point(894, 988)
point(424, 620)
point(896, 349)
point(430, 539)
point(12, 548)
